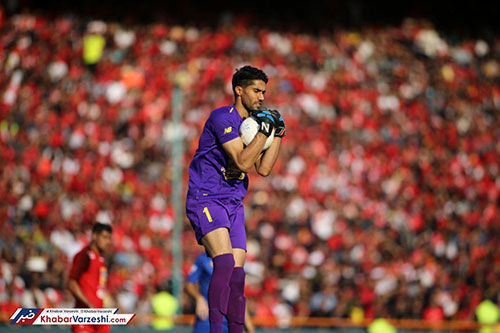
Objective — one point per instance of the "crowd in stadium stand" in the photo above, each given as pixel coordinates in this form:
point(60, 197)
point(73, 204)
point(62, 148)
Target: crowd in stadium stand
point(384, 199)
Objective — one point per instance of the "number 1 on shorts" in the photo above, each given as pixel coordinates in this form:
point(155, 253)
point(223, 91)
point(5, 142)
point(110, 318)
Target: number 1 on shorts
point(207, 213)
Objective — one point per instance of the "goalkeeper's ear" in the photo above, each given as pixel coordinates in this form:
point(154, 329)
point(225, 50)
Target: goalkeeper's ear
point(238, 91)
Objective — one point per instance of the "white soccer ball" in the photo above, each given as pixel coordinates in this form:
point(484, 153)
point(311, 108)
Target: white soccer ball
point(249, 129)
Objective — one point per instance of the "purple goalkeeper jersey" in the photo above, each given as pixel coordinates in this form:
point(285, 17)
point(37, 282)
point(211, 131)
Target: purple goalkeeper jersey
point(212, 172)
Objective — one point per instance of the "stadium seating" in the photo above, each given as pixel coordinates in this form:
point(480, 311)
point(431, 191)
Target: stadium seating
point(384, 199)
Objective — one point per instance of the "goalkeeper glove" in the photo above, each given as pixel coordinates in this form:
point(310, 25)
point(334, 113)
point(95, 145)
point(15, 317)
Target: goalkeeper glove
point(266, 122)
point(280, 124)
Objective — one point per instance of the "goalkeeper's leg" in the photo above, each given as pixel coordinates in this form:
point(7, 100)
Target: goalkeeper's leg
point(236, 306)
point(218, 246)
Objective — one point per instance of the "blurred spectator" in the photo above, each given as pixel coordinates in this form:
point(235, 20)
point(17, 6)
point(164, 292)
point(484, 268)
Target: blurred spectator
point(487, 315)
point(165, 305)
point(93, 43)
point(8, 305)
point(381, 326)
point(144, 308)
point(324, 301)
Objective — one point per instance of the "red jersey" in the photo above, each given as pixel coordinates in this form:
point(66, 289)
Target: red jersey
point(89, 270)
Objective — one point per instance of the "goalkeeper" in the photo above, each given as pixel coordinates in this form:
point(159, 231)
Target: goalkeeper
point(218, 183)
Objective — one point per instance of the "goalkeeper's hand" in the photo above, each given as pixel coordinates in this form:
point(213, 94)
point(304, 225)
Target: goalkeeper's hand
point(280, 124)
point(266, 122)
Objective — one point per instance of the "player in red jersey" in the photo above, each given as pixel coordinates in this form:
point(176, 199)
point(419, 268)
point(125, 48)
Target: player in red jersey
point(88, 275)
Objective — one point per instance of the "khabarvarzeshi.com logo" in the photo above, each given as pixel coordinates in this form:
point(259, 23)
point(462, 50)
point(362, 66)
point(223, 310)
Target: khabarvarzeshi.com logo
point(77, 316)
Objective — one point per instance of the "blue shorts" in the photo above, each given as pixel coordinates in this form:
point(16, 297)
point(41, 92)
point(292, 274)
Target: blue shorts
point(207, 215)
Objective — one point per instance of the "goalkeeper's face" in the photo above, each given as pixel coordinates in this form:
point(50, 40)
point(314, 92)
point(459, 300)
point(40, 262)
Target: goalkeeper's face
point(252, 96)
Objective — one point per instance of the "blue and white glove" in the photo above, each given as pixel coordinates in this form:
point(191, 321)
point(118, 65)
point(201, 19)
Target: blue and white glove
point(280, 124)
point(266, 121)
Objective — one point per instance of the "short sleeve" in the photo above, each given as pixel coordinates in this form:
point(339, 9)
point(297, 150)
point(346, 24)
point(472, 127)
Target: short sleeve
point(80, 265)
point(195, 272)
point(224, 125)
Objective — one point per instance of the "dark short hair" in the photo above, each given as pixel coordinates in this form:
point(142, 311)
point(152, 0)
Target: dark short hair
point(100, 227)
point(245, 75)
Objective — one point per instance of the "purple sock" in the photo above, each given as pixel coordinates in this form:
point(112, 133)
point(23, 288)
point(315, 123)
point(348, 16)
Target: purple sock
point(218, 290)
point(236, 306)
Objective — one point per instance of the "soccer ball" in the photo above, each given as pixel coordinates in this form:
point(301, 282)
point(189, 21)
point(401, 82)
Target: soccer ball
point(248, 130)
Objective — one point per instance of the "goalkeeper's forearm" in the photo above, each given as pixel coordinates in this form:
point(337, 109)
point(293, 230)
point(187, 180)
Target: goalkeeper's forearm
point(267, 160)
point(247, 157)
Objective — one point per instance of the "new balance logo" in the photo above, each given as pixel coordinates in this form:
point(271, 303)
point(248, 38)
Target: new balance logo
point(265, 127)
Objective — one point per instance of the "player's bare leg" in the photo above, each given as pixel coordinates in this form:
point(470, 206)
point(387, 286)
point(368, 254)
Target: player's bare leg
point(239, 257)
point(217, 242)
point(236, 306)
point(218, 246)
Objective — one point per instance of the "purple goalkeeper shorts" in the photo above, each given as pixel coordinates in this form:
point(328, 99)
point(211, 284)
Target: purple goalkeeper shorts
point(207, 215)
